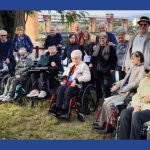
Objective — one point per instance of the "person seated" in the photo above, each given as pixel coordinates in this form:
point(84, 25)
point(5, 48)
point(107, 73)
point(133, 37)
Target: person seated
point(75, 74)
point(51, 60)
point(133, 118)
point(130, 82)
point(24, 63)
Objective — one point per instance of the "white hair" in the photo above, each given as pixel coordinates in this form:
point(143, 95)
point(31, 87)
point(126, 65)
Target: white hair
point(22, 50)
point(76, 53)
point(104, 34)
point(103, 24)
point(53, 28)
point(3, 32)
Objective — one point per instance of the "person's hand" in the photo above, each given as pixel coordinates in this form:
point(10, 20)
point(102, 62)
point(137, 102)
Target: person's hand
point(126, 70)
point(146, 99)
point(53, 64)
point(7, 61)
point(17, 76)
point(111, 44)
point(59, 45)
point(114, 88)
point(136, 108)
point(122, 90)
point(63, 82)
point(94, 47)
point(73, 84)
point(112, 71)
point(15, 54)
point(90, 65)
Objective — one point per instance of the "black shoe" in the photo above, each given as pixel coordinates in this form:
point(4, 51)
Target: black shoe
point(63, 114)
point(54, 110)
point(109, 129)
point(97, 126)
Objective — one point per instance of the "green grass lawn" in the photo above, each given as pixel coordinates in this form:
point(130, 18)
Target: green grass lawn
point(17, 122)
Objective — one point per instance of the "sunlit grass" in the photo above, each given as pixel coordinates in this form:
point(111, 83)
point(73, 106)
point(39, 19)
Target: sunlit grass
point(17, 122)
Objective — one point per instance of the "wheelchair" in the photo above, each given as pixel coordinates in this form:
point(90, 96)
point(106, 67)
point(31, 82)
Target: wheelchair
point(145, 132)
point(119, 106)
point(85, 103)
point(4, 75)
point(52, 83)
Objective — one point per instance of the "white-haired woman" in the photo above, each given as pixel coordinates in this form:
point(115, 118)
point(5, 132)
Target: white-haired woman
point(22, 65)
point(121, 50)
point(76, 73)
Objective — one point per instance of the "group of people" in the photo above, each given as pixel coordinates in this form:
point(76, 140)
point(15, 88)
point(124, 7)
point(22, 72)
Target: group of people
point(88, 61)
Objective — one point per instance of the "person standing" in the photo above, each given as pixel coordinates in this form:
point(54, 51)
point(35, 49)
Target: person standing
point(121, 50)
point(139, 42)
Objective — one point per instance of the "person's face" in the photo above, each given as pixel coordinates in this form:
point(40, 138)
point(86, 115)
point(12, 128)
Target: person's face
point(147, 73)
point(20, 32)
point(102, 28)
point(77, 28)
point(75, 59)
point(102, 40)
point(135, 60)
point(3, 37)
point(121, 37)
point(72, 39)
point(86, 36)
point(52, 32)
point(143, 27)
point(52, 50)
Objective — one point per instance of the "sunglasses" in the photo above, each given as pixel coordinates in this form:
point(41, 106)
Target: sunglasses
point(3, 35)
point(147, 70)
point(144, 25)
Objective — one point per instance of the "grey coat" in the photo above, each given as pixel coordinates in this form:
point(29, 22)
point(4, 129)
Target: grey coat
point(23, 65)
point(134, 76)
point(146, 51)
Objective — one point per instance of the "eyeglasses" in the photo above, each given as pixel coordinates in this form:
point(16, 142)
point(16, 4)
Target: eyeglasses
point(147, 71)
point(3, 35)
point(144, 25)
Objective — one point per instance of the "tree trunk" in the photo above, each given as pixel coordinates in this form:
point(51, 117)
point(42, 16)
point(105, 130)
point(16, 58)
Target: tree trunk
point(19, 18)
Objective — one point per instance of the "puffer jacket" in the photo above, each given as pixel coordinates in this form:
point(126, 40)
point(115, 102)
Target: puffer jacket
point(82, 73)
point(133, 77)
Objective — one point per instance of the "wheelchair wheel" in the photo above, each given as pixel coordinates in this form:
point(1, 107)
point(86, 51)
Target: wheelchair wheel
point(4, 82)
point(89, 100)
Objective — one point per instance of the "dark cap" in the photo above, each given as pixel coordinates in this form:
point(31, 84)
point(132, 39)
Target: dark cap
point(144, 18)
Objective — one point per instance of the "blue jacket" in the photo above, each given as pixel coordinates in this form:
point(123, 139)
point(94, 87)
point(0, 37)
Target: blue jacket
point(67, 51)
point(6, 49)
point(54, 40)
point(25, 42)
point(111, 38)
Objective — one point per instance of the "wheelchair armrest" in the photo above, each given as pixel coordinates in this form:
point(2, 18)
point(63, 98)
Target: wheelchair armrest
point(119, 104)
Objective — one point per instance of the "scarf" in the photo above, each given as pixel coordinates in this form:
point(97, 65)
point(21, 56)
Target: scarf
point(105, 53)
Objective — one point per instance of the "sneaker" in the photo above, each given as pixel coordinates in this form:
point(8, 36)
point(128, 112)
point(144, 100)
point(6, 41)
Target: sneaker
point(7, 99)
point(2, 96)
point(63, 114)
point(97, 126)
point(33, 93)
point(42, 94)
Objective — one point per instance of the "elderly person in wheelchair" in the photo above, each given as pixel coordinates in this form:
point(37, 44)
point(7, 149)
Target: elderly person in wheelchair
point(75, 74)
point(52, 62)
point(124, 88)
point(133, 118)
point(23, 64)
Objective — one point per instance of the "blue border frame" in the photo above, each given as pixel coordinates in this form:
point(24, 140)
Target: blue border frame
point(73, 5)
